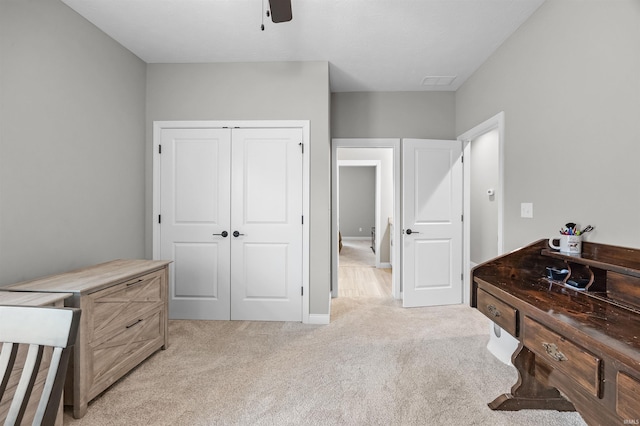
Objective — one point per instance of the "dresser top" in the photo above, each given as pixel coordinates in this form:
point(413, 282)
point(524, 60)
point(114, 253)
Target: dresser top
point(92, 278)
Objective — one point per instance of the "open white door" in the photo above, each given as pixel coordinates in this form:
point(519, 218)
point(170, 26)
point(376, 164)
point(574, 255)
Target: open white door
point(432, 222)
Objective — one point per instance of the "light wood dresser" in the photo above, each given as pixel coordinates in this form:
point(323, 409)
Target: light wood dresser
point(123, 322)
point(29, 299)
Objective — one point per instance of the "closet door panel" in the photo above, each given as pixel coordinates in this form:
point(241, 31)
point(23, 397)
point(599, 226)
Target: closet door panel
point(195, 170)
point(266, 200)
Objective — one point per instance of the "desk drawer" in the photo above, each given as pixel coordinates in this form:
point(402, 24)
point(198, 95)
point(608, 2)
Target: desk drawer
point(627, 397)
point(499, 312)
point(563, 355)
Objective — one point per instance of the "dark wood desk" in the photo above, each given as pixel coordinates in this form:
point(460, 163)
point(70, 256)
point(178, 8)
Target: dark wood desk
point(579, 349)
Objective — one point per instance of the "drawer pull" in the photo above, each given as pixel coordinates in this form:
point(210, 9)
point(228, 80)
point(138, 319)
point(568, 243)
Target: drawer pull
point(553, 352)
point(493, 310)
point(134, 283)
point(137, 322)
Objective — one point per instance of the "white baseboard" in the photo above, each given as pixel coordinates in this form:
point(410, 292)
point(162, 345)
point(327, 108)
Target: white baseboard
point(319, 319)
point(384, 265)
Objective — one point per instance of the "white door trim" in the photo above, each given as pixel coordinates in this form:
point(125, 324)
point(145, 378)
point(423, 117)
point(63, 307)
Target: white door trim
point(366, 143)
point(377, 219)
point(158, 126)
point(495, 122)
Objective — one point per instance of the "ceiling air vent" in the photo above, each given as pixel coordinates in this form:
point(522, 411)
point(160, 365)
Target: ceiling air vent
point(438, 80)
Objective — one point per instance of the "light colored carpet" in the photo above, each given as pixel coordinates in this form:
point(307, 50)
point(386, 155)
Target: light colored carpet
point(375, 364)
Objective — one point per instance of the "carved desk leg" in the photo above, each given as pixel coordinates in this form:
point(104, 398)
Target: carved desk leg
point(529, 393)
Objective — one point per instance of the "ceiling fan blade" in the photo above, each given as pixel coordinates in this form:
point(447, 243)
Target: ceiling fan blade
point(280, 10)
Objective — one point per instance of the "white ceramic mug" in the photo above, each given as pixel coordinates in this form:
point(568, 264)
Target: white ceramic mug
point(569, 244)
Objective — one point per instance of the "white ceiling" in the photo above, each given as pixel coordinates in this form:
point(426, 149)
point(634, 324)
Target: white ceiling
point(371, 45)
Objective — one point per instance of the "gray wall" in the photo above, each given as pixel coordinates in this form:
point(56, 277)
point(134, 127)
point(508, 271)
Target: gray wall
point(72, 104)
point(568, 83)
point(429, 115)
point(256, 91)
point(357, 200)
point(484, 208)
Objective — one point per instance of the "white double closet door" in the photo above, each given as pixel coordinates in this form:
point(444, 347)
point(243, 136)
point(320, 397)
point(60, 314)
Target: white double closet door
point(231, 221)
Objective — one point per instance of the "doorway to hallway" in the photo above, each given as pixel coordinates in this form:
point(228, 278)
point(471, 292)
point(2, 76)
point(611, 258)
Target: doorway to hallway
point(381, 235)
point(442, 274)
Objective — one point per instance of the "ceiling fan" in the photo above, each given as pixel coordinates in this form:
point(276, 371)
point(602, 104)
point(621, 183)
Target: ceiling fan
point(280, 10)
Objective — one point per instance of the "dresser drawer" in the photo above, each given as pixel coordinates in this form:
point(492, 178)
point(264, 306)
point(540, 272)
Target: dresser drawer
point(111, 357)
point(499, 312)
point(627, 397)
point(115, 307)
point(563, 355)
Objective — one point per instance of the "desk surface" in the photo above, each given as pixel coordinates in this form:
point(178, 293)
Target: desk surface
point(30, 298)
point(521, 275)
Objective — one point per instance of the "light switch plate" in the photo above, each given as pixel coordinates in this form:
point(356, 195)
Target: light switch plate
point(526, 210)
